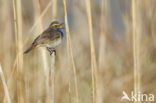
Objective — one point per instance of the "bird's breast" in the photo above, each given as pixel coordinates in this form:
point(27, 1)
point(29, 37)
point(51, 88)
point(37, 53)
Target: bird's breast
point(54, 43)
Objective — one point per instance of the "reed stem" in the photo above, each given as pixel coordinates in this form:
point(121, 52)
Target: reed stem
point(54, 15)
point(19, 51)
point(102, 51)
point(137, 85)
point(69, 50)
point(44, 57)
point(5, 85)
point(93, 56)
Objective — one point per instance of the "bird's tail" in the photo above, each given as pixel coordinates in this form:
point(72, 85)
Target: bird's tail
point(29, 49)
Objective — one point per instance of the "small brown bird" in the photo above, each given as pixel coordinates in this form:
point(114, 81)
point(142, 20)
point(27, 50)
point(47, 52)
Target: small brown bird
point(50, 38)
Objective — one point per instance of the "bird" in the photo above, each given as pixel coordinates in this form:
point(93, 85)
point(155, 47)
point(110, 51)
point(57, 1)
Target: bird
point(50, 38)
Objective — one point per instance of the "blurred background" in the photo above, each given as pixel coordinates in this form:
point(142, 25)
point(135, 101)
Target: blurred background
point(29, 77)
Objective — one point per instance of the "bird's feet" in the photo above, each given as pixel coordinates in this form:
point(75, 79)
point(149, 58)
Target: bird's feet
point(51, 51)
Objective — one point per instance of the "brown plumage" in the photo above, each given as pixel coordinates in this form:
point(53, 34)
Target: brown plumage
point(50, 38)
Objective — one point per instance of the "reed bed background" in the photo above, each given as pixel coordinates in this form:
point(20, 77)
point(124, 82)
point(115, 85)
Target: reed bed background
point(110, 47)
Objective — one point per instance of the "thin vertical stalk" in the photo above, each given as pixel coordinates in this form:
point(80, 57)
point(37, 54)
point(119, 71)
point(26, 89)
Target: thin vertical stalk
point(44, 57)
point(54, 13)
point(102, 53)
point(54, 8)
point(69, 90)
point(4, 85)
point(103, 33)
point(15, 21)
point(53, 77)
point(134, 45)
point(135, 51)
point(19, 51)
point(15, 30)
point(69, 49)
point(93, 57)
point(40, 12)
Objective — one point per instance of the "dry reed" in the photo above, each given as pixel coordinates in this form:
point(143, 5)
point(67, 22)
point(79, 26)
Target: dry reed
point(69, 50)
point(69, 91)
point(5, 85)
point(102, 51)
point(53, 78)
point(102, 41)
point(44, 59)
point(54, 9)
point(93, 55)
point(54, 15)
point(137, 71)
point(19, 52)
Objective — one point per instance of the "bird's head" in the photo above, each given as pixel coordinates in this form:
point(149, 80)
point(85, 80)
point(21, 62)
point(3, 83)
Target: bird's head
point(56, 25)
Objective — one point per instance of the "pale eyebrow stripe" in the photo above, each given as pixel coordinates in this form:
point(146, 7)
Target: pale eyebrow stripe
point(55, 24)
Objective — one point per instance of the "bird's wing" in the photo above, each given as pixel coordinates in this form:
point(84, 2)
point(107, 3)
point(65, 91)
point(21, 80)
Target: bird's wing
point(47, 36)
point(37, 40)
point(51, 34)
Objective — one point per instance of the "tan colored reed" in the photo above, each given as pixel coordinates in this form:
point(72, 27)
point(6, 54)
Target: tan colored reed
point(44, 59)
point(102, 41)
point(93, 55)
point(52, 90)
point(19, 52)
point(54, 8)
point(5, 85)
point(137, 85)
point(54, 14)
point(69, 92)
point(102, 52)
point(69, 50)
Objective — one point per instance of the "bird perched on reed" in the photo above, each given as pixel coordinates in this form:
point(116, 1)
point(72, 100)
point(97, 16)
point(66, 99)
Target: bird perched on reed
point(50, 38)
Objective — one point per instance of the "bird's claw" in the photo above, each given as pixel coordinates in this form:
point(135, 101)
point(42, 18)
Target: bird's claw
point(53, 51)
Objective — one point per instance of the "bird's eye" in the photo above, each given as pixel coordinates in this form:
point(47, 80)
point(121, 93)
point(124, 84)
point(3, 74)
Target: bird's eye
point(57, 26)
